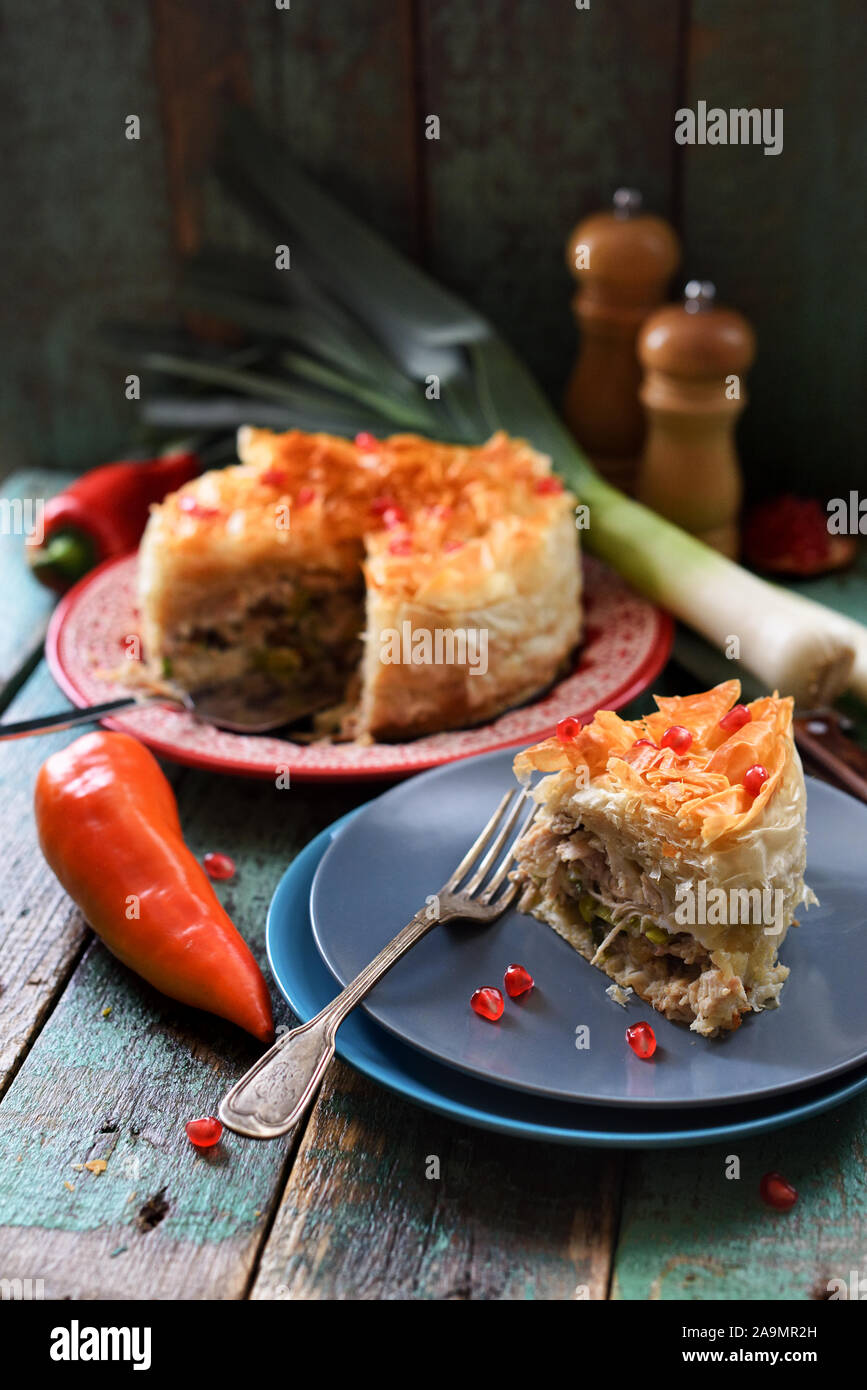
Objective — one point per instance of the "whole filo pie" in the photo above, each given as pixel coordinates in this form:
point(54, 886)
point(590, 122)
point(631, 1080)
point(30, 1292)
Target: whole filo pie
point(388, 588)
point(670, 851)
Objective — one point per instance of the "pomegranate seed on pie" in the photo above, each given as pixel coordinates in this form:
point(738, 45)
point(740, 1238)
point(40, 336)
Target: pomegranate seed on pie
point(755, 778)
point(568, 728)
point(736, 718)
point(677, 738)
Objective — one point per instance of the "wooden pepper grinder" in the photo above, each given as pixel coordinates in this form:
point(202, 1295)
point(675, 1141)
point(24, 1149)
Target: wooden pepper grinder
point(694, 355)
point(623, 260)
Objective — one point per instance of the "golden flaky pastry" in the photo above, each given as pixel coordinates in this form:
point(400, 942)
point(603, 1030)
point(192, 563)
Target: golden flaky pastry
point(663, 867)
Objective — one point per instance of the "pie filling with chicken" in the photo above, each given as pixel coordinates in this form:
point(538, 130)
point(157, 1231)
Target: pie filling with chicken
point(670, 850)
point(359, 582)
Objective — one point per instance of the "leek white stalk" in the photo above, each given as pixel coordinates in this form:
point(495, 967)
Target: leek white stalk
point(790, 643)
point(849, 630)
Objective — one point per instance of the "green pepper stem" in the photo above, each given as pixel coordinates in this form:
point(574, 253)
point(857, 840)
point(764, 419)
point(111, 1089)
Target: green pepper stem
point(66, 554)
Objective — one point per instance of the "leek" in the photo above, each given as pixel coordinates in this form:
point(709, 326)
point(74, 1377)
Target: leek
point(355, 328)
point(788, 642)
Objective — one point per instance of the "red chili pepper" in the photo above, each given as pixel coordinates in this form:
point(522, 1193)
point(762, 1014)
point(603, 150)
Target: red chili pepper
point(103, 514)
point(108, 826)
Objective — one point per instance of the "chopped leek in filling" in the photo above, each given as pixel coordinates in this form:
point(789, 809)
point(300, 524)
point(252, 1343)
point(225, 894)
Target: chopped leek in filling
point(287, 639)
point(618, 917)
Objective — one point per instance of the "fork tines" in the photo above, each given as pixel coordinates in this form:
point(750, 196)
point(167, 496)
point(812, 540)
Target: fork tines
point(500, 829)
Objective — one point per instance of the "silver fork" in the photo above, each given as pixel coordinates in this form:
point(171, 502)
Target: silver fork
point(277, 1090)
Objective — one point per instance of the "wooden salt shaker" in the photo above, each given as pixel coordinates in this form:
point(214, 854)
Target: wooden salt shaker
point(622, 260)
point(694, 355)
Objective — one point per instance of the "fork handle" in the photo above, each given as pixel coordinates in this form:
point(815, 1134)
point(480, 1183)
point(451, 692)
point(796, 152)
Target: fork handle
point(276, 1092)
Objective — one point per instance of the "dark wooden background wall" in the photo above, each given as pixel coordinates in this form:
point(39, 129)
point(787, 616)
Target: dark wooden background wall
point(544, 110)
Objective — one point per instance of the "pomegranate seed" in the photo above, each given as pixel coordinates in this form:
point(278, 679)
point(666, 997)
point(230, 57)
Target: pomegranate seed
point(488, 1003)
point(380, 505)
point(393, 516)
point(400, 547)
point(205, 1132)
point(548, 485)
point(194, 508)
point(776, 1192)
point(755, 778)
point(305, 496)
point(677, 738)
point(366, 441)
point(274, 477)
point(735, 719)
point(454, 545)
point(219, 866)
point(642, 1040)
point(442, 511)
point(644, 743)
point(568, 728)
point(518, 981)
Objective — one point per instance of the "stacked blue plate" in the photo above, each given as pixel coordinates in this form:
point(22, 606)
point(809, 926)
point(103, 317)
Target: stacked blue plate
point(556, 1066)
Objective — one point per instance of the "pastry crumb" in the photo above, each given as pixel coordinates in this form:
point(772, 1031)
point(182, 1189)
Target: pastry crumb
point(620, 994)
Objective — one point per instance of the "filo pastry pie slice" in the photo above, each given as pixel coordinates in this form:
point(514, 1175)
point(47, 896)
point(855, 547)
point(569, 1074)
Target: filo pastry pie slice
point(661, 867)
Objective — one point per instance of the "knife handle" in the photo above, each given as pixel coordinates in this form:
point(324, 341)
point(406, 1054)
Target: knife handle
point(821, 736)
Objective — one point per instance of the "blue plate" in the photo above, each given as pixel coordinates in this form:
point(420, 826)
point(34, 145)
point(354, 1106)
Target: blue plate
point(307, 986)
point(404, 844)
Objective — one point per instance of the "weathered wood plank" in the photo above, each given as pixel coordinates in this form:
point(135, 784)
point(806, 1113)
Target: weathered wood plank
point(776, 233)
point(84, 224)
point(121, 1087)
point(199, 65)
point(338, 88)
point(688, 1232)
point(25, 606)
point(41, 934)
point(342, 98)
point(160, 1221)
point(504, 1219)
point(544, 111)
point(39, 938)
point(337, 85)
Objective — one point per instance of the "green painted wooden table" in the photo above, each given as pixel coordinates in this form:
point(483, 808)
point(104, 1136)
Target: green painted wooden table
point(95, 1065)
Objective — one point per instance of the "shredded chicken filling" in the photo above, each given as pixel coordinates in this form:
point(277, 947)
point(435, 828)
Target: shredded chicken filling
point(286, 638)
point(615, 915)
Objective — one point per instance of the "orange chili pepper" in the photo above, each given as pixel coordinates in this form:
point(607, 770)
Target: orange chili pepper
point(108, 826)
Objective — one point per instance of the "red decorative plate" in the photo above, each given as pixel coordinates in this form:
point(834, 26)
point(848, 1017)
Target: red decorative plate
point(627, 643)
